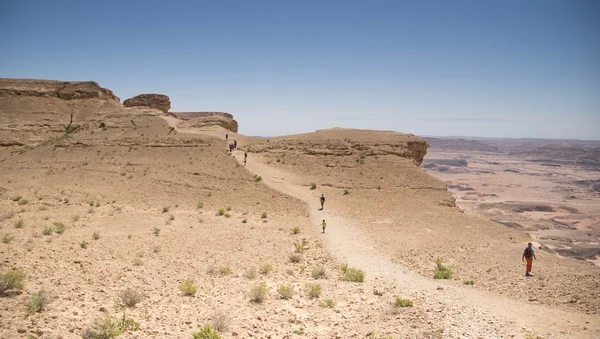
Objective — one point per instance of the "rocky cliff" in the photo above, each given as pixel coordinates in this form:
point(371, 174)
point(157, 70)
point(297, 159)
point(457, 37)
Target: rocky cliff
point(159, 101)
point(68, 90)
point(207, 119)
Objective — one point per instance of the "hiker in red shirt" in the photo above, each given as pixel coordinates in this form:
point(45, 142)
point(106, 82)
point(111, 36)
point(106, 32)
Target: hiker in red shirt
point(528, 255)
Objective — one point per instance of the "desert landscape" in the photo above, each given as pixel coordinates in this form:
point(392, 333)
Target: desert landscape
point(128, 220)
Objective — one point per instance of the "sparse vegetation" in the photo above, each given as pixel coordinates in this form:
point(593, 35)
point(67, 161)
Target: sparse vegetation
point(295, 258)
point(441, 271)
point(250, 273)
point(38, 301)
point(95, 235)
point(469, 282)
point(23, 202)
point(378, 187)
point(156, 231)
point(91, 203)
point(300, 248)
point(227, 215)
point(258, 293)
point(285, 291)
point(313, 186)
point(16, 198)
point(83, 244)
point(399, 302)
point(200, 204)
point(244, 221)
point(265, 269)
point(7, 238)
point(12, 280)
point(129, 236)
point(59, 227)
point(328, 303)
point(221, 211)
point(352, 274)
point(224, 270)
point(48, 230)
point(296, 230)
point(220, 320)
point(130, 297)
point(165, 209)
point(206, 333)
point(257, 178)
point(19, 223)
point(319, 273)
point(264, 215)
point(109, 328)
point(138, 262)
point(346, 192)
point(188, 288)
point(313, 290)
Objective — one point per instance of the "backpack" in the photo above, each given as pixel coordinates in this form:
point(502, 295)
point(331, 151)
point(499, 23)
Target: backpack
point(322, 198)
point(527, 252)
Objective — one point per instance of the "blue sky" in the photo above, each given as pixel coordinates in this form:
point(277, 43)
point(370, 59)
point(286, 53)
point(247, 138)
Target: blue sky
point(475, 68)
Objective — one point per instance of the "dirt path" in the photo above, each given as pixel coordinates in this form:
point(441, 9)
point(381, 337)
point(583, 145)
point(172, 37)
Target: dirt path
point(460, 311)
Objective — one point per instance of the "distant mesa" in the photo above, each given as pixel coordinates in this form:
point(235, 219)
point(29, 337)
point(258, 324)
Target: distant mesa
point(159, 101)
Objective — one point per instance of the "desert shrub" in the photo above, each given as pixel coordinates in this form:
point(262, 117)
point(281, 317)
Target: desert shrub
point(318, 273)
point(285, 291)
point(130, 297)
point(258, 293)
point(224, 270)
point(91, 203)
point(221, 211)
point(95, 235)
point(344, 267)
point(171, 217)
point(48, 230)
point(469, 282)
point(66, 200)
point(23, 202)
point(156, 231)
point(188, 288)
point(257, 178)
point(295, 257)
point(16, 198)
point(399, 302)
point(129, 236)
point(38, 301)
point(313, 290)
point(250, 273)
point(378, 187)
point(244, 221)
point(59, 227)
point(300, 248)
point(19, 223)
point(265, 269)
point(74, 218)
point(346, 192)
point(328, 303)
point(83, 244)
point(138, 262)
point(313, 186)
point(97, 204)
point(220, 320)
point(441, 271)
point(12, 280)
point(264, 215)
point(200, 204)
point(109, 328)
point(353, 274)
point(7, 238)
point(165, 209)
point(206, 333)
point(296, 230)
point(227, 215)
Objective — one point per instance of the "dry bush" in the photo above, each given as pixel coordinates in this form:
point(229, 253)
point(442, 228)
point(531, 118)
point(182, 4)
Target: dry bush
point(156, 231)
point(295, 258)
point(399, 302)
point(313, 290)
point(265, 269)
point(109, 328)
point(328, 303)
point(313, 186)
point(441, 271)
point(221, 320)
point(7, 238)
point(59, 227)
point(206, 333)
point(188, 288)
point(285, 291)
point(138, 262)
point(48, 230)
point(250, 273)
point(38, 301)
point(258, 293)
point(319, 273)
point(12, 280)
point(296, 230)
point(300, 247)
point(224, 270)
point(221, 211)
point(95, 235)
point(352, 274)
point(83, 244)
point(165, 209)
point(19, 223)
point(263, 215)
point(130, 297)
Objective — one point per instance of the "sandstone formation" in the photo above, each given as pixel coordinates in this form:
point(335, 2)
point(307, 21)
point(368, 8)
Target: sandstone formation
point(67, 90)
point(207, 119)
point(159, 101)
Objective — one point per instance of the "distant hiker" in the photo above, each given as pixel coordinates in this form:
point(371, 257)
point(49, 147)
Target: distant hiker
point(324, 225)
point(245, 156)
point(529, 255)
point(234, 144)
point(226, 136)
point(322, 199)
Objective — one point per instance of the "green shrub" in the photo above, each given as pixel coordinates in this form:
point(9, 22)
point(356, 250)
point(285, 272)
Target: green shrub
point(264, 215)
point(441, 271)
point(38, 301)
point(206, 333)
point(265, 269)
point(469, 282)
point(344, 267)
point(48, 230)
point(91, 203)
point(352, 274)
point(12, 280)
point(188, 288)
point(227, 215)
point(200, 204)
point(313, 290)
point(130, 297)
point(129, 236)
point(399, 302)
point(258, 293)
point(257, 178)
point(165, 209)
point(16, 198)
point(296, 230)
point(221, 211)
point(318, 273)
point(95, 235)
point(244, 221)
point(156, 231)
point(83, 244)
point(313, 186)
point(285, 291)
point(300, 248)
point(378, 187)
point(328, 303)
point(7, 238)
point(19, 223)
point(224, 270)
point(23, 202)
point(346, 192)
point(59, 227)
point(109, 328)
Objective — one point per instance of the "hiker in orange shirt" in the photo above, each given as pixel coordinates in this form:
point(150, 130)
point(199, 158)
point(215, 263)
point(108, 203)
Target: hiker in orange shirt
point(528, 255)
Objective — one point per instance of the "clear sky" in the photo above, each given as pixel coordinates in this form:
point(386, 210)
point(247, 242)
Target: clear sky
point(473, 68)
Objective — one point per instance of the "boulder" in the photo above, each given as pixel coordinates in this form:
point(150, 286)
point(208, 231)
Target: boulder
point(206, 119)
point(159, 101)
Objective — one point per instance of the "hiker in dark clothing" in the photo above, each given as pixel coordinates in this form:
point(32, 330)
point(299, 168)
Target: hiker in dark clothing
point(234, 144)
point(226, 137)
point(529, 255)
point(245, 157)
point(322, 199)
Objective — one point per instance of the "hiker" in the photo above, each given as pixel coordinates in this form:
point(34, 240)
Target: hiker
point(226, 136)
point(324, 225)
point(322, 201)
point(245, 157)
point(529, 255)
point(234, 144)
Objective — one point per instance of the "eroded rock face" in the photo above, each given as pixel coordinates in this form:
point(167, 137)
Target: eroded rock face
point(68, 90)
point(206, 119)
point(159, 101)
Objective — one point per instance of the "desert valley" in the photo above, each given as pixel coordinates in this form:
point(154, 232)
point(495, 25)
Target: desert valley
point(126, 219)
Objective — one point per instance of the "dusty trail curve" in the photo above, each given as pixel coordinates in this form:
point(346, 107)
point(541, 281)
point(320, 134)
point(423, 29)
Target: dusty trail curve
point(462, 312)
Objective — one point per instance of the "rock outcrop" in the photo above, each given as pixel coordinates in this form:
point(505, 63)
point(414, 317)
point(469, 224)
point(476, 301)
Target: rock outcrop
point(159, 101)
point(68, 90)
point(207, 119)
